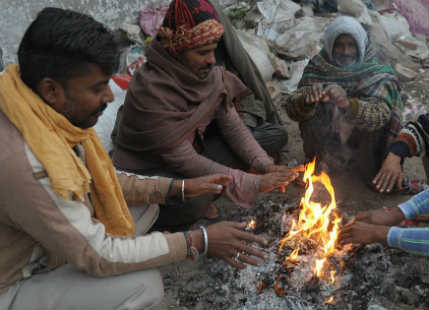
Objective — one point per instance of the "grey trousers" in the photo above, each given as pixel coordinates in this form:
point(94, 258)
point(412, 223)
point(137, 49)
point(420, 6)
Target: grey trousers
point(68, 288)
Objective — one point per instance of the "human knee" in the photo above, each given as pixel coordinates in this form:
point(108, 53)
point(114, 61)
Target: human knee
point(154, 289)
point(149, 291)
point(282, 134)
point(271, 137)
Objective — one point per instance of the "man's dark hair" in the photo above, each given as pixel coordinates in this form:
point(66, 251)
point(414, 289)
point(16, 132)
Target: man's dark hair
point(61, 44)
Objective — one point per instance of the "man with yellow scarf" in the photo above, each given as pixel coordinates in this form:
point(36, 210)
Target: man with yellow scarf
point(64, 217)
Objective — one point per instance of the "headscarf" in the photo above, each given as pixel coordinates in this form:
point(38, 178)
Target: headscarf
point(345, 25)
point(52, 137)
point(189, 24)
point(365, 79)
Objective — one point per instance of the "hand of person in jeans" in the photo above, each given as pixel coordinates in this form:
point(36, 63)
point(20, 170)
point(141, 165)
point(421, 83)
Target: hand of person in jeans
point(371, 226)
point(363, 233)
point(384, 216)
point(230, 242)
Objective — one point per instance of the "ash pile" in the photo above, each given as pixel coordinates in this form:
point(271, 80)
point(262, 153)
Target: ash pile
point(370, 277)
point(373, 277)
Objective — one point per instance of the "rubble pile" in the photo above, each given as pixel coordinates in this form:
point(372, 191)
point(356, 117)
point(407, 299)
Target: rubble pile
point(281, 36)
point(293, 30)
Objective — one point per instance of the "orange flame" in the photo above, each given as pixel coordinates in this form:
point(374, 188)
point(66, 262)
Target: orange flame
point(251, 225)
point(293, 257)
point(330, 300)
point(317, 223)
point(261, 287)
point(279, 291)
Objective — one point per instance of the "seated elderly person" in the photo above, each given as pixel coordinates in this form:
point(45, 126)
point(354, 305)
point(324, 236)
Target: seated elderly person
point(180, 120)
point(413, 140)
point(348, 106)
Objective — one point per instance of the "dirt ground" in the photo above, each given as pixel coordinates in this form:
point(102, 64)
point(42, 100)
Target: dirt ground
point(187, 285)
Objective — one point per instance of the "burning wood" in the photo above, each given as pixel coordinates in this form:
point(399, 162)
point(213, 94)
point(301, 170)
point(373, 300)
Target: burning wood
point(317, 227)
point(366, 277)
point(280, 291)
point(261, 287)
point(251, 225)
point(330, 300)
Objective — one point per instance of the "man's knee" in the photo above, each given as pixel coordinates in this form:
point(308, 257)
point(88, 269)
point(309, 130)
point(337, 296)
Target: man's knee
point(154, 289)
point(271, 137)
point(149, 291)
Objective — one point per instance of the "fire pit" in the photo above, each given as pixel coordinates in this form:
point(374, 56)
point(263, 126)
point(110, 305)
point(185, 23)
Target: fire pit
point(306, 268)
point(311, 240)
point(308, 257)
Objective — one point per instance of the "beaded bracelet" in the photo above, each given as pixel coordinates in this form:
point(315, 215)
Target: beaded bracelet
point(188, 243)
point(191, 251)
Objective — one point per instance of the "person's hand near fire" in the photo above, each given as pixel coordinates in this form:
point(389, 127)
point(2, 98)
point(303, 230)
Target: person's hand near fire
point(390, 174)
point(371, 226)
point(381, 226)
point(230, 242)
point(278, 176)
point(332, 93)
point(213, 184)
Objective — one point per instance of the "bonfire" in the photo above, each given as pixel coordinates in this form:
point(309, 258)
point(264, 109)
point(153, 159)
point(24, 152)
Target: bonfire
point(313, 236)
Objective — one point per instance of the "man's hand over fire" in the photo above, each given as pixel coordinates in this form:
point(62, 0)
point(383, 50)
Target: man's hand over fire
point(285, 169)
point(371, 226)
point(314, 93)
point(384, 216)
point(363, 233)
point(278, 177)
point(229, 241)
point(212, 184)
point(389, 175)
point(337, 95)
point(195, 187)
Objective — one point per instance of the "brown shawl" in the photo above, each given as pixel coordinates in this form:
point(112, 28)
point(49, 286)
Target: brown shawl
point(166, 102)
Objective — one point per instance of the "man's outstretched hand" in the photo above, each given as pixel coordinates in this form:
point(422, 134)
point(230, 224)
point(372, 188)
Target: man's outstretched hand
point(371, 226)
point(226, 239)
point(278, 177)
point(384, 216)
point(390, 174)
point(211, 184)
point(363, 233)
point(314, 94)
point(337, 96)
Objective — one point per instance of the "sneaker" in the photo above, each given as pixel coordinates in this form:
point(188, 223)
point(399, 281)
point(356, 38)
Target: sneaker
point(413, 187)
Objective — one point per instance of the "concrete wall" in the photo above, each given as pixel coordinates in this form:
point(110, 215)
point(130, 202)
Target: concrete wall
point(16, 15)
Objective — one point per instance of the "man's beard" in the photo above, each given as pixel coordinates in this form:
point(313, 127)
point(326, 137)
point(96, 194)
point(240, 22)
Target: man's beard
point(203, 75)
point(345, 60)
point(70, 107)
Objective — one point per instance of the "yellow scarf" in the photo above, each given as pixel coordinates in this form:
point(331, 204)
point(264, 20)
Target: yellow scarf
point(51, 137)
